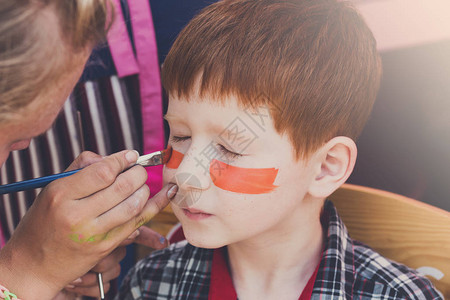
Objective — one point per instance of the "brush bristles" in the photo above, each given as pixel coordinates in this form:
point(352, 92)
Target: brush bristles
point(166, 155)
point(155, 158)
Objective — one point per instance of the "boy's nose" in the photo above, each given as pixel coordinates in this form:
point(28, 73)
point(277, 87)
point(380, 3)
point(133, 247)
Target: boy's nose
point(193, 172)
point(192, 178)
point(187, 181)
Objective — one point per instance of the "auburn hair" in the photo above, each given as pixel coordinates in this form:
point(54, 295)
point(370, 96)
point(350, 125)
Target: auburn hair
point(314, 63)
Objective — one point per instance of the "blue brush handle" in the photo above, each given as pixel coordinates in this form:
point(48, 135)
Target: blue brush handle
point(33, 183)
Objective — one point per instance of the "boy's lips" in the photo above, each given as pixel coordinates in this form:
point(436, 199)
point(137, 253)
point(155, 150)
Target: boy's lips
point(195, 214)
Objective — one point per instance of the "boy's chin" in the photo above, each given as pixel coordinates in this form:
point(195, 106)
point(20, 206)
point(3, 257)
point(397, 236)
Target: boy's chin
point(204, 242)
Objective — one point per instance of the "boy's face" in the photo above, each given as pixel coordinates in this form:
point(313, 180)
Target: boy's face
point(238, 178)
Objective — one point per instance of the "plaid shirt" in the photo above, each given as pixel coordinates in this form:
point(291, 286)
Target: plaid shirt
point(348, 270)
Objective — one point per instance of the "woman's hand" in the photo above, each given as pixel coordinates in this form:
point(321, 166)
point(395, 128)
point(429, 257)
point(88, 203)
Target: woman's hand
point(75, 222)
point(87, 285)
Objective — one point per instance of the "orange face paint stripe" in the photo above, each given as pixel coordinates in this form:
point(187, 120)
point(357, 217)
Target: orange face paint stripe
point(242, 180)
point(175, 159)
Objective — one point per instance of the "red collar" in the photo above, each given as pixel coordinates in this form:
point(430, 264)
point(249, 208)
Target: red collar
point(221, 286)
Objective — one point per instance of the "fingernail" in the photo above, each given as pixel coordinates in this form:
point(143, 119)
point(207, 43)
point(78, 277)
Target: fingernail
point(132, 156)
point(69, 286)
point(134, 234)
point(172, 192)
point(78, 280)
point(162, 240)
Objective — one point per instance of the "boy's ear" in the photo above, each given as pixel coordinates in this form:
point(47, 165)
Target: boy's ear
point(334, 163)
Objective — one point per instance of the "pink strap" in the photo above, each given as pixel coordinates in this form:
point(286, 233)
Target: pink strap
point(120, 44)
point(150, 85)
point(147, 66)
point(2, 238)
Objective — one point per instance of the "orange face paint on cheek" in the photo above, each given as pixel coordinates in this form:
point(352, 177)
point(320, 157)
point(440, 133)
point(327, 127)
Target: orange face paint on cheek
point(242, 180)
point(175, 159)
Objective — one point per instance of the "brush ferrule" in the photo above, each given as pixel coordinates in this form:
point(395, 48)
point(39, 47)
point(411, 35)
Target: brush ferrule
point(152, 159)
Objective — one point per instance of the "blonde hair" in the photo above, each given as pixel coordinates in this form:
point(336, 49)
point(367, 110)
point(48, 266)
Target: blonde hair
point(37, 40)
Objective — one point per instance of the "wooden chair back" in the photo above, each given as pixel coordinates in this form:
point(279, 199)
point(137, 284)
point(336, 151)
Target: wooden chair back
point(400, 228)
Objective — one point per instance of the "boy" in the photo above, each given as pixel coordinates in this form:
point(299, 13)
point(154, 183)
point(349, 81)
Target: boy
point(266, 100)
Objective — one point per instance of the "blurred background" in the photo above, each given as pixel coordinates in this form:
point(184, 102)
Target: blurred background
point(405, 147)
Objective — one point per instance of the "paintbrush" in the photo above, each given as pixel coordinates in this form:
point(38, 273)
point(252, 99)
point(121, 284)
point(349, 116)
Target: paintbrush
point(152, 159)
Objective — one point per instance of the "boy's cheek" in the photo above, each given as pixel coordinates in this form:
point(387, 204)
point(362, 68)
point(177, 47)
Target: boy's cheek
point(175, 160)
point(170, 168)
point(243, 180)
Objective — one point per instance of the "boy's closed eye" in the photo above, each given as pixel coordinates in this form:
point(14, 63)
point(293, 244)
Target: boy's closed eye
point(177, 139)
point(229, 153)
point(221, 148)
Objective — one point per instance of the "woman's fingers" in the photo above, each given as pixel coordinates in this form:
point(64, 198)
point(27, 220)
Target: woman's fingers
point(61, 227)
point(110, 262)
point(153, 206)
point(151, 239)
point(146, 237)
point(78, 220)
point(128, 192)
point(90, 291)
point(97, 176)
point(87, 285)
point(156, 204)
point(109, 267)
point(85, 159)
point(126, 210)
